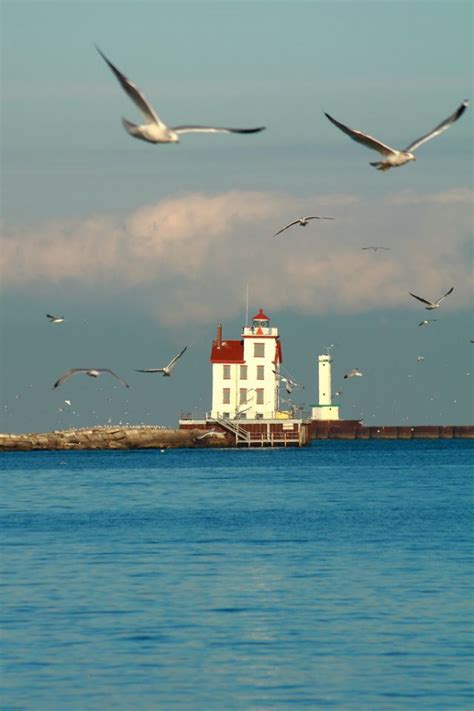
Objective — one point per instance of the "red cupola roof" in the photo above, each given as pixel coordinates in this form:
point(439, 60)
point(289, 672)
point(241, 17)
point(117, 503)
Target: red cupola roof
point(260, 317)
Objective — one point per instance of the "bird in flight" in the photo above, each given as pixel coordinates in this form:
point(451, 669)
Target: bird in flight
point(394, 157)
point(427, 321)
point(387, 249)
point(432, 304)
point(302, 221)
point(55, 319)
point(167, 369)
point(353, 373)
point(154, 130)
point(92, 372)
point(288, 382)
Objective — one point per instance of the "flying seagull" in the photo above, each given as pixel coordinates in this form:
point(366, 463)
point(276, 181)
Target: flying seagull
point(387, 249)
point(353, 373)
point(288, 382)
point(167, 370)
point(55, 319)
point(432, 304)
point(394, 157)
point(154, 130)
point(92, 372)
point(302, 221)
point(427, 321)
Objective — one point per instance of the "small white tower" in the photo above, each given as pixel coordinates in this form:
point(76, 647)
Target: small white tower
point(324, 410)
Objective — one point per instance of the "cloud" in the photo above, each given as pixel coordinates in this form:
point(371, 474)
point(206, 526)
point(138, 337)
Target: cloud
point(192, 256)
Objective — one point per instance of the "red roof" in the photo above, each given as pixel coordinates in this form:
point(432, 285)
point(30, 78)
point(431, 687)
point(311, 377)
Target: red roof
point(229, 352)
point(260, 317)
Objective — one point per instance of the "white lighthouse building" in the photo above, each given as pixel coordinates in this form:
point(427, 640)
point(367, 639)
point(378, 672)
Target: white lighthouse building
point(324, 410)
point(244, 382)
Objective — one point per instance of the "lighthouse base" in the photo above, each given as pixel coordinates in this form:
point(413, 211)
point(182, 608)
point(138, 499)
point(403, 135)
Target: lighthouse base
point(325, 412)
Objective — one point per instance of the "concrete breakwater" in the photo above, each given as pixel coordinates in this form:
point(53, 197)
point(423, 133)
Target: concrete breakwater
point(117, 437)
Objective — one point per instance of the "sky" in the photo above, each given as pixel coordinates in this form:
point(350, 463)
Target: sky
point(144, 248)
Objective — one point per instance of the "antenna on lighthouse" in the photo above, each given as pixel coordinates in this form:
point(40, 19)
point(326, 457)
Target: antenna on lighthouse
point(247, 307)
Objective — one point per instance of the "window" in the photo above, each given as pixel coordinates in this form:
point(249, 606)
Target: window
point(260, 372)
point(259, 392)
point(259, 350)
point(226, 373)
point(226, 396)
point(259, 415)
point(243, 396)
point(243, 372)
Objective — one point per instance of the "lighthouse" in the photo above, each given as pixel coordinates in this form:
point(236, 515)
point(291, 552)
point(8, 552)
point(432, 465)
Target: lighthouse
point(244, 372)
point(324, 410)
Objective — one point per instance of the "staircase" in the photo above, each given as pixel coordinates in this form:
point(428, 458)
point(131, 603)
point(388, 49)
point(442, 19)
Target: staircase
point(242, 436)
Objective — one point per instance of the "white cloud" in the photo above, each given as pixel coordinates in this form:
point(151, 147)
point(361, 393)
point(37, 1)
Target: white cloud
point(196, 253)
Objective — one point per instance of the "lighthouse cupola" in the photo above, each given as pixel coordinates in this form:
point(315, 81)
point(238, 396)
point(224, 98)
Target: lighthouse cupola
point(261, 323)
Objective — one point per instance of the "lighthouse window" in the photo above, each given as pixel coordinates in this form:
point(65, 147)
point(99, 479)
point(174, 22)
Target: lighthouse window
point(243, 372)
point(226, 369)
point(226, 396)
point(260, 372)
point(259, 350)
point(259, 392)
point(243, 396)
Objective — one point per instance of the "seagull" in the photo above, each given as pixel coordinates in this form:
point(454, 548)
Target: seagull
point(288, 382)
point(353, 373)
point(420, 358)
point(302, 221)
point(432, 304)
point(427, 321)
point(92, 372)
point(387, 249)
point(167, 370)
point(154, 130)
point(394, 157)
point(55, 319)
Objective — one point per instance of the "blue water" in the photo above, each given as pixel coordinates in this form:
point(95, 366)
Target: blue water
point(335, 577)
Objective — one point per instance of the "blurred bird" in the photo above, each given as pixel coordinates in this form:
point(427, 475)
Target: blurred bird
point(154, 130)
point(353, 373)
point(302, 221)
point(394, 157)
point(92, 372)
point(432, 304)
point(427, 321)
point(167, 369)
point(386, 249)
point(55, 319)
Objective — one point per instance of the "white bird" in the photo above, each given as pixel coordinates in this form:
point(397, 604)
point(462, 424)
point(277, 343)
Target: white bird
point(353, 373)
point(287, 381)
point(427, 321)
point(55, 319)
point(302, 221)
point(432, 304)
point(92, 372)
point(387, 249)
point(167, 369)
point(420, 358)
point(154, 130)
point(393, 156)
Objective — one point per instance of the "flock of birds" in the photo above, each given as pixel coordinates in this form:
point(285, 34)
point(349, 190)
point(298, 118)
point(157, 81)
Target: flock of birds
point(154, 130)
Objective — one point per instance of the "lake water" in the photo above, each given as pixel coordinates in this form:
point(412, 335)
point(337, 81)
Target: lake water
point(337, 577)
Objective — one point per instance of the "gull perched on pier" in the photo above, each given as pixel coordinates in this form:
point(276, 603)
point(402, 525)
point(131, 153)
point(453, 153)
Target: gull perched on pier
point(155, 130)
point(432, 304)
point(355, 373)
point(167, 369)
point(394, 157)
point(55, 319)
point(92, 372)
point(302, 221)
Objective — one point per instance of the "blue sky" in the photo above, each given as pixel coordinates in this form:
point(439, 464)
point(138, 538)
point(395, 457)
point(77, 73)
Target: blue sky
point(144, 248)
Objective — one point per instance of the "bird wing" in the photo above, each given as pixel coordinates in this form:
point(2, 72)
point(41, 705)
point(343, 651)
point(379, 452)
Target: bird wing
point(430, 303)
point(68, 374)
point(363, 138)
point(134, 93)
point(173, 360)
point(214, 129)
point(286, 227)
point(316, 217)
point(439, 129)
point(50, 316)
point(111, 372)
point(445, 295)
point(149, 370)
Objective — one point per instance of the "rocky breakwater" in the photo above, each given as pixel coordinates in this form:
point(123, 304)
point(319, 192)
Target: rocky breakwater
point(117, 437)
